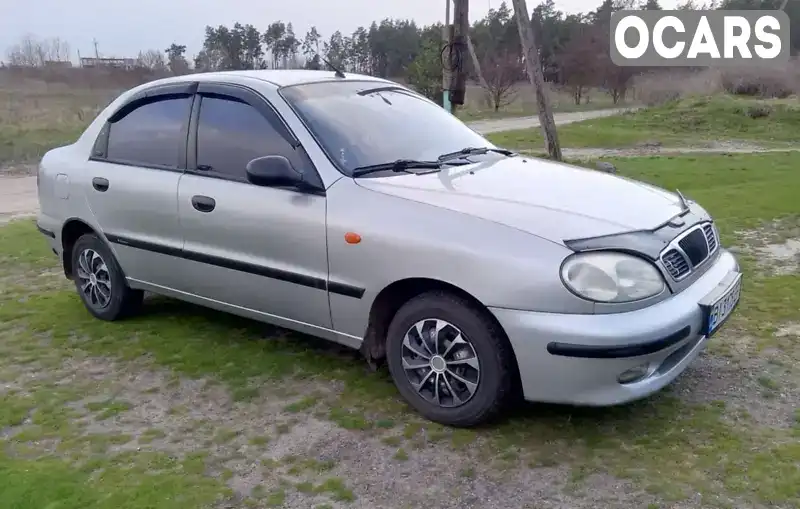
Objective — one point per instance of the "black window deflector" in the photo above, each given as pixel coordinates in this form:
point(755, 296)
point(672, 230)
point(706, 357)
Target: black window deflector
point(159, 92)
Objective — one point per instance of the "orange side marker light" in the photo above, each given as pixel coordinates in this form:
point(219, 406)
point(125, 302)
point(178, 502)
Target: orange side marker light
point(352, 238)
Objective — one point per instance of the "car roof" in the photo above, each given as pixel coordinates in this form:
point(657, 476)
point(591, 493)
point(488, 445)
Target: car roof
point(275, 77)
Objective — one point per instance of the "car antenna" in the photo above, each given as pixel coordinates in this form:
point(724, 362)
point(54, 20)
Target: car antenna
point(684, 203)
point(338, 72)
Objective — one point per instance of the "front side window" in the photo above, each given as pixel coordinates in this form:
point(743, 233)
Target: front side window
point(152, 134)
point(231, 133)
point(365, 123)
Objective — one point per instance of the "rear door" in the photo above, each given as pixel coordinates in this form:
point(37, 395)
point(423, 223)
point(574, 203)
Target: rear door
point(253, 247)
point(131, 182)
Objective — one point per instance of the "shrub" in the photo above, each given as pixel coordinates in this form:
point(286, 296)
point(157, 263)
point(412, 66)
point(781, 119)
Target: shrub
point(754, 80)
point(761, 81)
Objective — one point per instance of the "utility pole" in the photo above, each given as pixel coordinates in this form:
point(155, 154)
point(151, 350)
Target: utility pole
point(458, 51)
point(534, 67)
point(446, 36)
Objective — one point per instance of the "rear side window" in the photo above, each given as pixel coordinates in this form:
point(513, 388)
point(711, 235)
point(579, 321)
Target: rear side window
point(231, 133)
point(152, 134)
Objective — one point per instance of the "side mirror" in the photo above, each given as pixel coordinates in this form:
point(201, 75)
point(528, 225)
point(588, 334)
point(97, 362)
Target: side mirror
point(273, 171)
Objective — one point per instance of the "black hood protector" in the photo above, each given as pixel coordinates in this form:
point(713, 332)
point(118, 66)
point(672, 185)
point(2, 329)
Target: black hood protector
point(648, 243)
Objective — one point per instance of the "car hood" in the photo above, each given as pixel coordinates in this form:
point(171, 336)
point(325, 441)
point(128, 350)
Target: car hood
point(551, 200)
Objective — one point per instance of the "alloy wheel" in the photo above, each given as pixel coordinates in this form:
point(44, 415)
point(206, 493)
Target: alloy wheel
point(440, 363)
point(94, 279)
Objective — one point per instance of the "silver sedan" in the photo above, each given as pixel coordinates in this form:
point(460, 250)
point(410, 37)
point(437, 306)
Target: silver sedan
point(353, 209)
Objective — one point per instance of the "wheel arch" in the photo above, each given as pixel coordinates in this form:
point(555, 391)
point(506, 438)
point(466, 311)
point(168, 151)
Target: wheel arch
point(391, 298)
point(72, 230)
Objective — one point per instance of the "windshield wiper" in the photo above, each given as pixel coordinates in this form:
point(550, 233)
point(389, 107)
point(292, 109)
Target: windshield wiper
point(473, 151)
point(400, 165)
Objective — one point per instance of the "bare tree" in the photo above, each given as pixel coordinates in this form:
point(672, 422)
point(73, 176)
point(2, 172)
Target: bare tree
point(59, 50)
point(617, 79)
point(500, 72)
point(581, 62)
point(534, 67)
point(32, 52)
point(476, 64)
point(152, 59)
point(27, 53)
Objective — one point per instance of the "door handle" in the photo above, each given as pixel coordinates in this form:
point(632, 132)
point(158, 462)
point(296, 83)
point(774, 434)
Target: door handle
point(203, 203)
point(100, 184)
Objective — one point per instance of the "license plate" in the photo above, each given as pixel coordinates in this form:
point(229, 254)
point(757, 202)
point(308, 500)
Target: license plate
point(721, 303)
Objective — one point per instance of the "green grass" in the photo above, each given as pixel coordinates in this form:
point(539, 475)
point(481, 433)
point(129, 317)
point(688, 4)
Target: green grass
point(741, 191)
point(33, 121)
point(337, 489)
point(665, 445)
point(127, 482)
point(687, 122)
point(108, 409)
point(401, 455)
point(276, 498)
point(25, 144)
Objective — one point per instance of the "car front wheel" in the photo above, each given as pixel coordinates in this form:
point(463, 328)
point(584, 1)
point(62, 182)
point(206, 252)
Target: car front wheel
point(100, 281)
point(449, 360)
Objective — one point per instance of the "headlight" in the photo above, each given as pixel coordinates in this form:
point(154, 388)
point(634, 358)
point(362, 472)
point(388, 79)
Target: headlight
point(611, 277)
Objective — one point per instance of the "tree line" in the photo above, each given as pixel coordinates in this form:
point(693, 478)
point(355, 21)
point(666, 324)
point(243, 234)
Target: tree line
point(573, 49)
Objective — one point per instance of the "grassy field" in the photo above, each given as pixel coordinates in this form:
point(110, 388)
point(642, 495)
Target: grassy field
point(34, 121)
point(691, 122)
point(183, 407)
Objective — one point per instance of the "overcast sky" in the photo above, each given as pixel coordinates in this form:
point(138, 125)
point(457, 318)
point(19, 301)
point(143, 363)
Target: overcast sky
point(123, 27)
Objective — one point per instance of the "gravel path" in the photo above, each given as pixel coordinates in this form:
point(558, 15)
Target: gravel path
point(17, 194)
point(510, 124)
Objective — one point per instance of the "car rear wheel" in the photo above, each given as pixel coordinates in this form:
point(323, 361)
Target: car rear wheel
point(100, 282)
point(449, 360)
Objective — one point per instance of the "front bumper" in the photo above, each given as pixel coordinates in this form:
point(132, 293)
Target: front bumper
point(577, 359)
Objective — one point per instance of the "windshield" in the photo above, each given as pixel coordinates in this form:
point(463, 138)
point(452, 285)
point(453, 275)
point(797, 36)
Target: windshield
point(362, 123)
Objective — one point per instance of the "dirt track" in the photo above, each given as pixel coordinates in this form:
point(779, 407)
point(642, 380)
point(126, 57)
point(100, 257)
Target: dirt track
point(510, 124)
point(17, 197)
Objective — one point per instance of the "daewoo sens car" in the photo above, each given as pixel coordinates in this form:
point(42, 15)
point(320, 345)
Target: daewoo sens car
point(353, 209)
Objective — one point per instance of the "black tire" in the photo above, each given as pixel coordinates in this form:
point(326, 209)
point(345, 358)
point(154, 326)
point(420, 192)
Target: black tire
point(490, 346)
point(123, 301)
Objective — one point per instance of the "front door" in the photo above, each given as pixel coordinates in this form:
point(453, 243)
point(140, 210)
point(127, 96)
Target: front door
point(248, 246)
